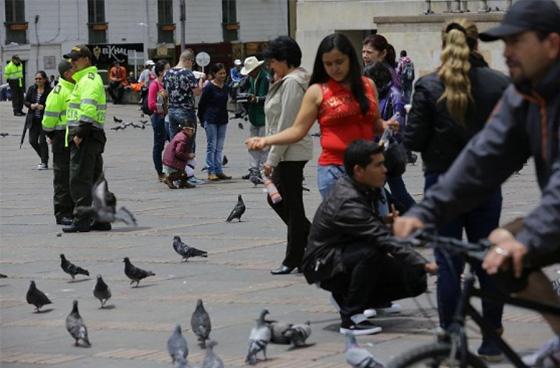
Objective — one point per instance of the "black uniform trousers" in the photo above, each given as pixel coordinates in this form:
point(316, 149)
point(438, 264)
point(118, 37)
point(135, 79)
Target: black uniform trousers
point(62, 200)
point(372, 280)
point(86, 167)
point(288, 178)
point(17, 95)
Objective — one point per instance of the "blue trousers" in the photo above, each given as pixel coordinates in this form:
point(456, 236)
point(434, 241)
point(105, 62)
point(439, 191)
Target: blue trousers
point(215, 138)
point(477, 223)
point(160, 136)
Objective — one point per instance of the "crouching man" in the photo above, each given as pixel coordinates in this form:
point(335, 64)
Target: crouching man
point(351, 251)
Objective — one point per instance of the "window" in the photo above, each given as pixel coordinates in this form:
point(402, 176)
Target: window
point(96, 21)
point(16, 26)
point(166, 27)
point(229, 20)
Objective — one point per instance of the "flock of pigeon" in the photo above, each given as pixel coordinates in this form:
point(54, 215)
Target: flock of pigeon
point(122, 125)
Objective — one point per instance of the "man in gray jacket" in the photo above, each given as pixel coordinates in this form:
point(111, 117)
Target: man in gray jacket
point(525, 123)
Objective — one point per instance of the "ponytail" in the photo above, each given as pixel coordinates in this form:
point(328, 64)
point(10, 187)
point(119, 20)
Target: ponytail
point(459, 39)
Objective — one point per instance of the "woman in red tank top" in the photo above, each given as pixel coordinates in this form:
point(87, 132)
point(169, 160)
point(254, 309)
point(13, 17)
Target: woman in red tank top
point(344, 103)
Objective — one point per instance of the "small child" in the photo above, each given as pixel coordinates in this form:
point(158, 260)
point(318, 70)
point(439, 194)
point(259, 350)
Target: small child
point(178, 156)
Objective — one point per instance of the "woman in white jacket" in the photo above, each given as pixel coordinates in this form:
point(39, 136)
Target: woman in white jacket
point(285, 163)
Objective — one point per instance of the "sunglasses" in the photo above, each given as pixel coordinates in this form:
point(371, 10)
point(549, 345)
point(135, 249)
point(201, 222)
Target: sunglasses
point(39, 79)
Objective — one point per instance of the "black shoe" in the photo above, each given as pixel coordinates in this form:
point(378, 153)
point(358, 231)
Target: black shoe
point(19, 114)
point(358, 329)
point(282, 270)
point(66, 221)
point(101, 226)
point(77, 227)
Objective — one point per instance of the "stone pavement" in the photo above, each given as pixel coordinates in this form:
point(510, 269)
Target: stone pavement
point(234, 281)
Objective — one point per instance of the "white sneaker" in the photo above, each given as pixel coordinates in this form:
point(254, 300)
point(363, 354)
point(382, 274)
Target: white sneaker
point(393, 309)
point(42, 166)
point(548, 356)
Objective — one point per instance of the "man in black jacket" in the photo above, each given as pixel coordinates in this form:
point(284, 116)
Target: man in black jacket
point(351, 252)
point(525, 124)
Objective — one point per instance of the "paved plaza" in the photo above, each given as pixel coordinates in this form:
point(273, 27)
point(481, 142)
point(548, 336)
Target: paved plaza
point(234, 281)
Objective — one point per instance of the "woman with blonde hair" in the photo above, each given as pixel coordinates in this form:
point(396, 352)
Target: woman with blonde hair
point(449, 107)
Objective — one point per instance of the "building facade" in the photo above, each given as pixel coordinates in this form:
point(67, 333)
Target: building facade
point(412, 25)
point(41, 31)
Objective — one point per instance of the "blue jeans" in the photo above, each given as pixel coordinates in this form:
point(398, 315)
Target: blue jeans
point(477, 223)
point(160, 136)
point(177, 116)
point(215, 137)
point(402, 198)
point(327, 176)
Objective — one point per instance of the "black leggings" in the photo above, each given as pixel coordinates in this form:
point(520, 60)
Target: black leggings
point(38, 140)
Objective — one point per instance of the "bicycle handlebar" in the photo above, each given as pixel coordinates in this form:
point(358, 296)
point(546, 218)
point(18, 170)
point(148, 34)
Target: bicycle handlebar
point(429, 237)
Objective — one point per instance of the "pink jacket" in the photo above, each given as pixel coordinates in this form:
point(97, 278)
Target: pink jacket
point(177, 152)
point(153, 91)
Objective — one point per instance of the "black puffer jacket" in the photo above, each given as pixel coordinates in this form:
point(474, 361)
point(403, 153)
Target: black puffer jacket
point(432, 131)
point(348, 218)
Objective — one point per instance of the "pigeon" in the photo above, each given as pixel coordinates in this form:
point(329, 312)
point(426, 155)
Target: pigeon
point(104, 204)
point(258, 339)
point(101, 291)
point(76, 327)
point(36, 297)
point(134, 273)
point(237, 211)
point(277, 329)
point(256, 180)
point(177, 346)
point(240, 126)
point(359, 357)
point(211, 360)
point(225, 160)
point(71, 268)
point(297, 334)
point(4, 134)
point(200, 324)
point(2, 276)
point(117, 120)
point(185, 251)
point(118, 127)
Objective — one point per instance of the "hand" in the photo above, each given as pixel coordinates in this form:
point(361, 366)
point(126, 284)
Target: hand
point(431, 268)
point(390, 219)
point(49, 141)
point(77, 140)
point(392, 124)
point(507, 249)
point(33, 106)
point(267, 169)
point(251, 98)
point(256, 143)
point(405, 225)
point(40, 107)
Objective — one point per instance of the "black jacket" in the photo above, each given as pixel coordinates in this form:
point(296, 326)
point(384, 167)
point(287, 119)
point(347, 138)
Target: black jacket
point(347, 218)
point(430, 128)
point(30, 98)
point(526, 123)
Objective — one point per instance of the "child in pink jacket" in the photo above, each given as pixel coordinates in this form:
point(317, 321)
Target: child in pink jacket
point(178, 159)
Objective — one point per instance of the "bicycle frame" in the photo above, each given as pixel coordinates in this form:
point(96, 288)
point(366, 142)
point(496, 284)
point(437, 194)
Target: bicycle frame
point(465, 308)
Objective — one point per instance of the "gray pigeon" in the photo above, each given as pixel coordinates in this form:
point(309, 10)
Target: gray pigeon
point(200, 324)
point(297, 334)
point(185, 251)
point(134, 273)
point(71, 268)
point(258, 339)
point(256, 180)
point(177, 346)
point(211, 360)
point(277, 329)
point(104, 206)
point(76, 327)
point(238, 210)
point(101, 291)
point(2, 276)
point(36, 297)
point(359, 357)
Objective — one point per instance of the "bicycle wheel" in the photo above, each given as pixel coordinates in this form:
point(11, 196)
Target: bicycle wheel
point(433, 356)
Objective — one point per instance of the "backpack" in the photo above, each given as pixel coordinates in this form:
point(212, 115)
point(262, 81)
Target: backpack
point(407, 73)
point(144, 95)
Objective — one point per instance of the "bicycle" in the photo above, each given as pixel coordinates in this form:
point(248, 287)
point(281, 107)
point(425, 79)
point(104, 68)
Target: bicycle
point(451, 349)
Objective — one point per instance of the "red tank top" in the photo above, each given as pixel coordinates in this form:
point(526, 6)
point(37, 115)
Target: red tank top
point(342, 122)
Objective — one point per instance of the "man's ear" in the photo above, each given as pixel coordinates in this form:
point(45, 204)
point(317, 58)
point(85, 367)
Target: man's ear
point(358, 171)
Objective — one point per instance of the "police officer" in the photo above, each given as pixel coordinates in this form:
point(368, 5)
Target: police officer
point(14, 75)
point(54, 125)
point(85, 117)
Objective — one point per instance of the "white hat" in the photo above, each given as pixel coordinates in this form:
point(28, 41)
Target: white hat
point(251, 63)
point(150, 62)
point(237, 62)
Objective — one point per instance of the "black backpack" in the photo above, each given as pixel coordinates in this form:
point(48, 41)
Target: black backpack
point(144, 96)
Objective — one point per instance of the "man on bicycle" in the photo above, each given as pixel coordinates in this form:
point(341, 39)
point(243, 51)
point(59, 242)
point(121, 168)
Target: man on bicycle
point(525, 123)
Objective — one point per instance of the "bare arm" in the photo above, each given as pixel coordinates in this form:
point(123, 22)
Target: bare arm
point(305, 118)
